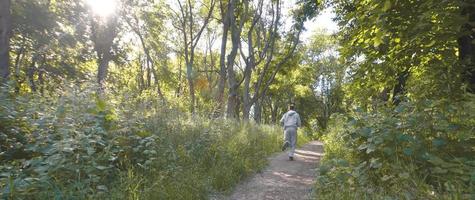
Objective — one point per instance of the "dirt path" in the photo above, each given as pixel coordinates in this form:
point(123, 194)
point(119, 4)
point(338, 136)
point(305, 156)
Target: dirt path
point(283, 179)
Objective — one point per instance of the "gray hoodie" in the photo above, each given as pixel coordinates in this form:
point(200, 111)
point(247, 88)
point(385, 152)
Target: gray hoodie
point(290, 119)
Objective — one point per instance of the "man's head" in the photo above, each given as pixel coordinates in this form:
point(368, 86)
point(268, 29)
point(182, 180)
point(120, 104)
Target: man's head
point(291, 106)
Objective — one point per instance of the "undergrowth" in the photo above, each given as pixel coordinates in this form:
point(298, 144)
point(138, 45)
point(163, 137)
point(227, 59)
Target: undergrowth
point(414, 151)
point(78, 146)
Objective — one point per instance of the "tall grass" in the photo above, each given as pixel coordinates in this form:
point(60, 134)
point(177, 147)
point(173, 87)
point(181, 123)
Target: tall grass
point(77, 146)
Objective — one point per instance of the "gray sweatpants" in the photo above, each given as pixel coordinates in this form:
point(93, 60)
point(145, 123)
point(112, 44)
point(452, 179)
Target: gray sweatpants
point(290, 136)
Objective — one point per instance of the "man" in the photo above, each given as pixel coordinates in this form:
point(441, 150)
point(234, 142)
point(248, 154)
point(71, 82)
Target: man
point(291, 122)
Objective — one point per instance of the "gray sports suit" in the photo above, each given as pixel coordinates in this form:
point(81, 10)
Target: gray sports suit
point(291, 121)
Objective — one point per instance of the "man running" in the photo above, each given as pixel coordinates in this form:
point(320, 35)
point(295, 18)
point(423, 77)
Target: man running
point(290, 121)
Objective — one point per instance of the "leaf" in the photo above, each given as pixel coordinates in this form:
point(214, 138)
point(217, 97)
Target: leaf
point(404, 137)
point(408, 151)
point(370, 148)
point(102, 188)
point(431, 43)
point(374, 163)
point(365, 132)
point(363, 147)
point(400, 108)
point(343, 162)
point(388, 151)
point(404, 175)
point(438, 142)
point(387, 5)
point(386, 177)
point(101, 167)
point(439, 170)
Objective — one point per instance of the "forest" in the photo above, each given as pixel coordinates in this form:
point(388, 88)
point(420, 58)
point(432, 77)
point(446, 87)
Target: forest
point(181, 99)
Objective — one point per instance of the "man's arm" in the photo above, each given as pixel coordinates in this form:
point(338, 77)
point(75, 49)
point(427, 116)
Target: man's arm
point(282, 120)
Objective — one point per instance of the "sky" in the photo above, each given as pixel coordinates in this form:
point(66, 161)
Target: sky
point(324, 21)
point(321, 22)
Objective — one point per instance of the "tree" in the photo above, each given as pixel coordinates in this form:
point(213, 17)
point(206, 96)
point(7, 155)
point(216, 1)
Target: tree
point(191, 29)
point(5, 31)
point(327, 76)
point(227, 10)
point(393, 46)
point(233, 83)
point(103, 35)
point(467, 45)
point(263, 44)
point(143, 19)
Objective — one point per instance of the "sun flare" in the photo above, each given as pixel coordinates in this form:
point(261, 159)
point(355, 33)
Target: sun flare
point(102, 8)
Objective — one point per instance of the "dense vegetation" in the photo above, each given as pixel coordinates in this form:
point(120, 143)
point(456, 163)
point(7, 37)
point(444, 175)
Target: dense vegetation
point(143, 99)
point(408, 131)
point(77, 147)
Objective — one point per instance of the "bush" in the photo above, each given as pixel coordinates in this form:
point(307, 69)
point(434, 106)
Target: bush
point(416, 151)
point(78, 146)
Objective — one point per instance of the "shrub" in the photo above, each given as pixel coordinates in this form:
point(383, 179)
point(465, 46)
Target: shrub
point(78, 146)
point(416, 151)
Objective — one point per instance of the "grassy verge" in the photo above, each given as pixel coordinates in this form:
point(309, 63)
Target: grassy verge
point(416, 151)
point(79, 147)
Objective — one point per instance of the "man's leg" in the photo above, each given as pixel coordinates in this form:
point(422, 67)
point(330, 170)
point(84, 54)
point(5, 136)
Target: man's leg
point(293, 141)
point(286, 140)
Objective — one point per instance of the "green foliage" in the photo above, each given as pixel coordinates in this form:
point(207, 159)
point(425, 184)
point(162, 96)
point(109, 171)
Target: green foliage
point(415, 151)
point(77, 146)
point(382, 40)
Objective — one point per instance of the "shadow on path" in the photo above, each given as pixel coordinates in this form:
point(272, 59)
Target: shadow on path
point(283, 179)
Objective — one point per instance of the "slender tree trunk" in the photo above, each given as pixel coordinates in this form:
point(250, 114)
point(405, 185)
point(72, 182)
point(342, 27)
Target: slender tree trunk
point(222, 58)
point(103, 37)
point(150, 63)
point(157, 84)
point(274, 113)
point(149, 74)
point(103, 69)
point(232, 81)
point(189, 76)
point(140, 75)
point(180, 80)
point(399, 88)
point(31, 73)
point(467, 48)
point(247, 104)
point(41, 80)
point(5, 32)
point(258, 111)
point(18, 80)
point(191, 41)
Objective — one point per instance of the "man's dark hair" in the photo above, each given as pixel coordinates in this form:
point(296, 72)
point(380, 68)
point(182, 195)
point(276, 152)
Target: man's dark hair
point(292, 106)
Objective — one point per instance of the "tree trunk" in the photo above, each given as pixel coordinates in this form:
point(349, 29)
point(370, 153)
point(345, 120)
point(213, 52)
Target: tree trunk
point(189, 76)
point(191, 41)
point(467, 48)
point(18, 61)
point(258, 111)
point(41, 70)
point(5, 31)
point(180, 79)
point(222, 58)
point(274, 113)
point(103, 69)
point(399, 88)
point(31, 74)
point(232, 81)
point(103, 35)
point(140, 75)
point(157, 84)
point(246, 98)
